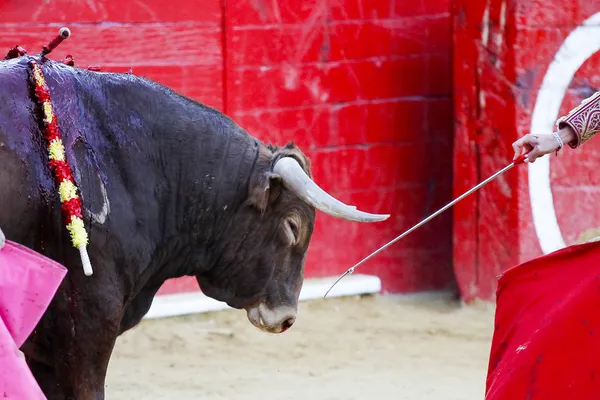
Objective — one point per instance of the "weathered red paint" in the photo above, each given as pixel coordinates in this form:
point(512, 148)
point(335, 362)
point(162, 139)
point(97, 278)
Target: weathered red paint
point(502, 52)
point(364, 87)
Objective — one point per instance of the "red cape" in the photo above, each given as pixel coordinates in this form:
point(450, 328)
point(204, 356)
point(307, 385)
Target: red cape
point(546, 342)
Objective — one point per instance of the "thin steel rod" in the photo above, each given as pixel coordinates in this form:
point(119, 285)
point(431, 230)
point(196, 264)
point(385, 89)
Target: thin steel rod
point(438, 212)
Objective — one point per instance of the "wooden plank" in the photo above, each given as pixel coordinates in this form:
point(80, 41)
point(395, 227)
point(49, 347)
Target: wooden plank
point(421, 8)
point(537, 13)
point(298, 43)
point(72, 12)
point(262, 12)
point(352, 123)
point(307, 127)
point(467, 18)
point(361, 10)
point(381, 165)
point(125, 45)
point(309, 84)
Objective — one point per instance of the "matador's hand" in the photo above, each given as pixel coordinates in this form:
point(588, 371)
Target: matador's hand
point(540, 145)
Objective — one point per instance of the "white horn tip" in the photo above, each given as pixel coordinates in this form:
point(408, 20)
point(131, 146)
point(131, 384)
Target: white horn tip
point(297, 181)
point(381, 217)
point(362, 216)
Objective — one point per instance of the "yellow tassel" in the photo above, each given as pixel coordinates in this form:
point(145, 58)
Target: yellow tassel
point(79, 236)
point(48, 112)
point(56, 150)
point(67, 191)
point(37, 75)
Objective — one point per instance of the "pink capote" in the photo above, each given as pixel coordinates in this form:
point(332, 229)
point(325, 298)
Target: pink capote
point(28, 282)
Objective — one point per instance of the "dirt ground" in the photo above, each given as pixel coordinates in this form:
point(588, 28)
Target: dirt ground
point(401, 348)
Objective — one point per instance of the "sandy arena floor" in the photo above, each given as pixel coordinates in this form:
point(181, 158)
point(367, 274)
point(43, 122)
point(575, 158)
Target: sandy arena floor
point(411, 348)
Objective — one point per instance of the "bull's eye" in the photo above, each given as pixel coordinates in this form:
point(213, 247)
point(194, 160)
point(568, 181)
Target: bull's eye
point(294, 228)
point(292, 231)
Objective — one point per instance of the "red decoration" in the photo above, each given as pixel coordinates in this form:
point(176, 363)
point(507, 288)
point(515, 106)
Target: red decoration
point(43, 95)
point(52, 132)
point(545, 343)
point(71, 208)
point(15, 52)
point(68, 60)
point(61, 169)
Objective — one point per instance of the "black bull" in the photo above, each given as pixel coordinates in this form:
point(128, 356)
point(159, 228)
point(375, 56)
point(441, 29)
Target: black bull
point(170, 188)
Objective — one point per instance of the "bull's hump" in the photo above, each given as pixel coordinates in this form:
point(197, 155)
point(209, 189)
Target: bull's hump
point(14, 64)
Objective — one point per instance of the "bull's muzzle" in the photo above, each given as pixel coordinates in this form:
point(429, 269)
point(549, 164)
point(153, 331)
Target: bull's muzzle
point(272, 320)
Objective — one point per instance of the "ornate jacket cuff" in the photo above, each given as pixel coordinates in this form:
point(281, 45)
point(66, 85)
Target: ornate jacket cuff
point(583, 119)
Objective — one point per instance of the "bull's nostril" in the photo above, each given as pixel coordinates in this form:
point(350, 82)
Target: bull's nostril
point(287, 324)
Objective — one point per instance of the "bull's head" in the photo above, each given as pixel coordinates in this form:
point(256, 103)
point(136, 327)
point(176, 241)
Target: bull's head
point(261, 264)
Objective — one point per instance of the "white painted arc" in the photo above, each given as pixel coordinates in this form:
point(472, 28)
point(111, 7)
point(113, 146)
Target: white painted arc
point(579, 46)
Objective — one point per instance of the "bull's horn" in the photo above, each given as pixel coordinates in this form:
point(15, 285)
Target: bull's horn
point(296, 180)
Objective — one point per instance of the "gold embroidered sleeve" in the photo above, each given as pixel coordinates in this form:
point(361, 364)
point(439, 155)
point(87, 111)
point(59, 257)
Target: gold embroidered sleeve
point(583, 119)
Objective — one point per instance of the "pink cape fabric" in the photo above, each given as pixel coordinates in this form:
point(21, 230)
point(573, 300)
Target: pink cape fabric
point(28, 282)
point(546, 342)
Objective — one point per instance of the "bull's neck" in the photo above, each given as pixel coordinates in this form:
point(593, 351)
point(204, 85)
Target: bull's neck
point(203, 181)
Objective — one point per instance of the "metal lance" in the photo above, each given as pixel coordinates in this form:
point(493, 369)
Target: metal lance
point(519, 160)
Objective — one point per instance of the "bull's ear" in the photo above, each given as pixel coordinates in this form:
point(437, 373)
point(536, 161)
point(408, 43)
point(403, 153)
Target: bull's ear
point(264, 190)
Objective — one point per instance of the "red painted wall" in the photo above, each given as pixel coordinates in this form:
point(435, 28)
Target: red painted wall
point(364, 87)
point(503, 51)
